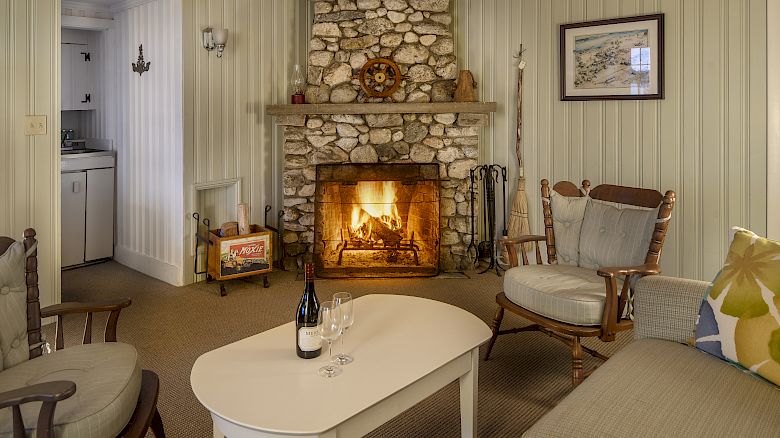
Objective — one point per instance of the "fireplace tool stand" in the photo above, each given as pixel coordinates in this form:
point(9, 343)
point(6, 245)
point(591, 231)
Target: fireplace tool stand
point(489, 175)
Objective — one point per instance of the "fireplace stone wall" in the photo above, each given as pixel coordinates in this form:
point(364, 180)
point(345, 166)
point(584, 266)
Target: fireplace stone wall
point(416, 35)
point(451, 140)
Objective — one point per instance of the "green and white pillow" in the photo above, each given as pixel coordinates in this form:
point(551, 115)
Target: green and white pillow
point(739, 319)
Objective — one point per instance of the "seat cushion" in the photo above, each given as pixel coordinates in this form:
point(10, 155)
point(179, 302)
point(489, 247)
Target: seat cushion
point(615, 234)
point(108, 381)
point(654, 388)
point(14, 348)
point(564, 293)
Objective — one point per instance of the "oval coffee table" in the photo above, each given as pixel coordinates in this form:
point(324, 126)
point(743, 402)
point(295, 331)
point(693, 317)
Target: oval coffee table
point(405, 349)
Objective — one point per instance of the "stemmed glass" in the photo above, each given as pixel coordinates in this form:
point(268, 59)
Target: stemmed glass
point(344, 301)
point(330, 320)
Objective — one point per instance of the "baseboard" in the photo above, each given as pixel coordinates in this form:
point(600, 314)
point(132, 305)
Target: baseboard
point(150, 266)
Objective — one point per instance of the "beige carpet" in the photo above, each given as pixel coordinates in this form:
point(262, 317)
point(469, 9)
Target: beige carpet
point(527, 375)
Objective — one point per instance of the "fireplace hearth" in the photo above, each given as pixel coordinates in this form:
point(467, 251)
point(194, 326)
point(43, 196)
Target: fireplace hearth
point(377, 220)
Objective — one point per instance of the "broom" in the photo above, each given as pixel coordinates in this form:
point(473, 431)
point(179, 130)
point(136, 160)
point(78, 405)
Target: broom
point(518, 218)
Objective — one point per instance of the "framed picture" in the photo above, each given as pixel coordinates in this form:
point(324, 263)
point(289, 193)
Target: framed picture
point(621, 58)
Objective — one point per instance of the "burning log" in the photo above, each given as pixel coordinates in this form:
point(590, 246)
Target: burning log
point(379, 230)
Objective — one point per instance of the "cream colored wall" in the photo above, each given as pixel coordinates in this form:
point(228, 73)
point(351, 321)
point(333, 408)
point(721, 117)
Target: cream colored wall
point(773, 121)
point(706, 140)
point(143, 116)
point(29, 166)
point(226, 131)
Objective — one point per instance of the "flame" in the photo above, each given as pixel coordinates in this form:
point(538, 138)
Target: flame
point(376, 200)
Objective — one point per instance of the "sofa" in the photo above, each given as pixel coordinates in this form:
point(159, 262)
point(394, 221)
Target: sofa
point(659, 385)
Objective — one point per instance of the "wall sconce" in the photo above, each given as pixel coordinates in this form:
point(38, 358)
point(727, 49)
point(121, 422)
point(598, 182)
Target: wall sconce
point(215, 39)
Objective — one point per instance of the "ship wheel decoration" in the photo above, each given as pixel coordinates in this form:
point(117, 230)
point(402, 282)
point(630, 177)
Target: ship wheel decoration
point(380, 77)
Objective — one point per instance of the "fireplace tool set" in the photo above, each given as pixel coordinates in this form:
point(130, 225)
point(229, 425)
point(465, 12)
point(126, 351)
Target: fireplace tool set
point(483, 180)
point(232, 254)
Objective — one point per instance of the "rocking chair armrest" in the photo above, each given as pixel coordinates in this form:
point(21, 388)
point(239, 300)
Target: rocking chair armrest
point(46, 392)
point(76, 307)
point(59, 310)
point(511, 243)
point(645, 269)
point(522, 239)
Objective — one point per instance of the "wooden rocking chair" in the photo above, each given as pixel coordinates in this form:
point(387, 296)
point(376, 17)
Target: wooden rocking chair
point(114, 396)
point(610, 232)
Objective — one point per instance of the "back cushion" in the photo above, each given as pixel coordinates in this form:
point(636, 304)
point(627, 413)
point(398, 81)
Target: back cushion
point(613, 236)
point(13, 307)
point(567, 213)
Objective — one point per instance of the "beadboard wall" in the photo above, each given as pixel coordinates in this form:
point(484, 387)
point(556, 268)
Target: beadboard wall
point(227, 134)
point(143, 116)
point(706, 140)
point(30, 165)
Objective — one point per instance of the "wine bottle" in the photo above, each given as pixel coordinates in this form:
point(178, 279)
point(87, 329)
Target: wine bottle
point(308, 343)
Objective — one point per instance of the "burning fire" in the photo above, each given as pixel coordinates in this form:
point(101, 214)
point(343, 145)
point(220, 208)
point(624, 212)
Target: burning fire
point(376, 218)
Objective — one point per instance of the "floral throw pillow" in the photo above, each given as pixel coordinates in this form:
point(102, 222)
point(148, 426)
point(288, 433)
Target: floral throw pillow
point(739, 319)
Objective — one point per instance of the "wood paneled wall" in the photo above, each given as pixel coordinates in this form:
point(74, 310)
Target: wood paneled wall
point(226, 131)
point(30, 166)
point(143, 116)
point(706, 140)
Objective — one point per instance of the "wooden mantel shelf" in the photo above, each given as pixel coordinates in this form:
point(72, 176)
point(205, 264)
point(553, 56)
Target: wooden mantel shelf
point(382, 108)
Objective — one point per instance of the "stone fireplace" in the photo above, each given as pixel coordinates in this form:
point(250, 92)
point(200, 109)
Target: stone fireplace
point(342, 133)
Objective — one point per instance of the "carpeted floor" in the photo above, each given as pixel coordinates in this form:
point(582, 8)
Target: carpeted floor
point(527, 374)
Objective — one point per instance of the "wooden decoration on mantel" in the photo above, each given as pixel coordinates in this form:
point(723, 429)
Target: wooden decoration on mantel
point(466, 89)
point(380, 77)
point(140, 67)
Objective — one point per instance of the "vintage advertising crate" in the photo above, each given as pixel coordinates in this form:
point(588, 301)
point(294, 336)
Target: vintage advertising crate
point(240, 256)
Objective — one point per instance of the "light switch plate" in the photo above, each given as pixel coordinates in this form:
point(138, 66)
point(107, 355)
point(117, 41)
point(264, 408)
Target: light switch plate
point(35, 125)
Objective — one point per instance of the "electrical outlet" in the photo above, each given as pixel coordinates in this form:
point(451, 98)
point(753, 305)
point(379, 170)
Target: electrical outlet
point(35, 125)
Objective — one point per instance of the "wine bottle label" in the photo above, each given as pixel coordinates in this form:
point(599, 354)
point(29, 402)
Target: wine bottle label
point(309, 339)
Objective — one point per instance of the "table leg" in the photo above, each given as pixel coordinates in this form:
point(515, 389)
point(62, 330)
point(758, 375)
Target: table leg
point(217, 432)
point(468, 398)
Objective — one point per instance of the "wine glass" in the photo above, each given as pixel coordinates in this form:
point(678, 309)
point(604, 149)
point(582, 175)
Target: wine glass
point(330, 321)
point(344, 300)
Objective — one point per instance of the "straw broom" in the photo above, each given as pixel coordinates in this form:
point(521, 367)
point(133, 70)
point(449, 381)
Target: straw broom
point(518, 218)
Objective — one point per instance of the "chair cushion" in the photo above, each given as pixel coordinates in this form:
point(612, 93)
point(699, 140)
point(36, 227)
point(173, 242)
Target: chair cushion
point(615, 234)
point(655, 388)
point(108, 382)
point(564, 293)
point(739, 319)
point(14, 347)
point(567, 213)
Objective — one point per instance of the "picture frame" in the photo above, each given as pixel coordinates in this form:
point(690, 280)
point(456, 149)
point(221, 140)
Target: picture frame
point(615, 59)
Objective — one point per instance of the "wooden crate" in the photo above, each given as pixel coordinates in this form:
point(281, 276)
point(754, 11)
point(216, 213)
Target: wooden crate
point(240, 256)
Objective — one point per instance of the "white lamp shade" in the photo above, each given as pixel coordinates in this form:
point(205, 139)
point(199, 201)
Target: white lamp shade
point(220, 36)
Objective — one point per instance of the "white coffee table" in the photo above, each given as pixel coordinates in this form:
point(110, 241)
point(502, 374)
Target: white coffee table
point(405, 349)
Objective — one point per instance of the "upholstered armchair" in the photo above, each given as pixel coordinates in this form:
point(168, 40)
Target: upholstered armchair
point(599, 242)
point(89, 390)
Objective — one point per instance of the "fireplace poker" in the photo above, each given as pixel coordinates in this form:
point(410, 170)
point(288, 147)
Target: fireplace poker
point(472, 198)
point(504, 231)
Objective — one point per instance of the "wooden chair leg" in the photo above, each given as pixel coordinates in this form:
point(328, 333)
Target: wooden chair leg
point(577, 373)
point(157, 425)
point(496, 326)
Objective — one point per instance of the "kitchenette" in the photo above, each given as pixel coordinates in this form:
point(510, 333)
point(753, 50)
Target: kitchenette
point(88, 161)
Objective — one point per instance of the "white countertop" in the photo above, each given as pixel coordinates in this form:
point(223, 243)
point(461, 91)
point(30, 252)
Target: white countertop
point(261, 384)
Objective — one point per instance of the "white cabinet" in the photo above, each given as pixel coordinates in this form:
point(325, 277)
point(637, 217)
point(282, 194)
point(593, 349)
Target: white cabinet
point(74, 203)
point(78, 77)
point(87, 208)
point(99, 241)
